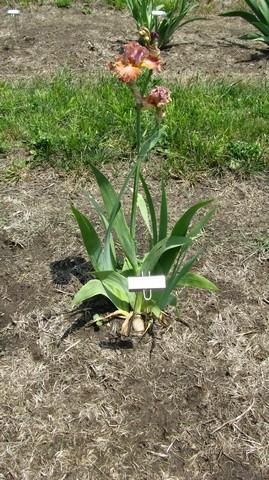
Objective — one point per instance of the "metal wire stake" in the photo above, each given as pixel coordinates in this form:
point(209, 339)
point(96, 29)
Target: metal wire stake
point(149, 297)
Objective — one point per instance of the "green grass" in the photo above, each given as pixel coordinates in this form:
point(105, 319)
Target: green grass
point(68, 122)
point(118, 4)
point(63, 3)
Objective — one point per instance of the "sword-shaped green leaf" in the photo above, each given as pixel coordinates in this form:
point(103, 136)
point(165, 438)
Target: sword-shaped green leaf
point(104, 220)
point(116, 287)
point(116, 216)
point(259, 19)
point(255, 7)
point(150, 143)
point(89, 290)
point(255, 36)
point(196, 229)
point(196, 280)
point(173, 281)
point(144, 211)
point(151, 210)
point(91, 241)
point(165, 245)
point(182, 225)
point(249, 17)
point(180, 229)
point(264, 28)
point(163, 216)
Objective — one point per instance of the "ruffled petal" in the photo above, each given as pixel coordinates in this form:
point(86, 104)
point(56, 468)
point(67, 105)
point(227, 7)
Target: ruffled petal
point(134, 53)
point(158, 97)
point(152, 63)
point(128, 65)
point(126, 73)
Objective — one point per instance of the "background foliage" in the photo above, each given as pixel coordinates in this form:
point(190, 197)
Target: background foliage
point(68, 122)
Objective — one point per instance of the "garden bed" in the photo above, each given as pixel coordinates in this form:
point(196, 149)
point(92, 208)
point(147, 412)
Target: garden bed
point(79, 403)
point(48, 38)
point(76, 403)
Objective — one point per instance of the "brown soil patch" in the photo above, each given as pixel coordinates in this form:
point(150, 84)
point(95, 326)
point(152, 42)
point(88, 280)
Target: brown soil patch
point(48, 38)
point(85, 408)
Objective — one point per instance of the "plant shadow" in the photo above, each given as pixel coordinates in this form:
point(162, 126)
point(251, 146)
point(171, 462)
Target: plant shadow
point(226, 43)
point(85, 313)
point(117, 344)
point(260, 54)
point(62, 270)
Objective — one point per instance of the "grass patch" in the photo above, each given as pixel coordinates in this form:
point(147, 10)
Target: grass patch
point(118, 4)
point(218, 126)
point(69, 122)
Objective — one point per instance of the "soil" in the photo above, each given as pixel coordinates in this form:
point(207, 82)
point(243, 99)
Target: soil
point(47, 38)
point(190, 401)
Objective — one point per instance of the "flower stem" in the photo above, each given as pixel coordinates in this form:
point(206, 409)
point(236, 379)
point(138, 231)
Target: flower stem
point(138, 98)
point(146, 82)
point(137, 170)
point(138, 128)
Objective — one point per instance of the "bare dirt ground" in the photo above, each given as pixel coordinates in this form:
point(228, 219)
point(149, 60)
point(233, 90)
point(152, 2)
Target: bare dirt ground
point(75, 406)
point(48, 38)
point(193, 401)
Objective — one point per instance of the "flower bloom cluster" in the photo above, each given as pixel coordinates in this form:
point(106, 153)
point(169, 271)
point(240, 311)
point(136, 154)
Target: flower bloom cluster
point(158, 97)
point(128, 66)
point(150, 39)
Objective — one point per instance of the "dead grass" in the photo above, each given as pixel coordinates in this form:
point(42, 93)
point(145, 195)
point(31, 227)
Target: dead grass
point(196, 407)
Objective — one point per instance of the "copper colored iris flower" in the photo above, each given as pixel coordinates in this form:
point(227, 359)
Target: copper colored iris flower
point(128, 65)
point(158, 97)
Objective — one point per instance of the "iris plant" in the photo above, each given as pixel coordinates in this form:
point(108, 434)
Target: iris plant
point(168, 252)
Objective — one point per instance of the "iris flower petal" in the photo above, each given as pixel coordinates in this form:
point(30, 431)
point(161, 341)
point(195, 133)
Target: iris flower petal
point(128, 66)
point(126, 73)
point(152, 62)
point(158, 97)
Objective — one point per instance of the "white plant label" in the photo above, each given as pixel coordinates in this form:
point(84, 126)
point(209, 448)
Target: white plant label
point(13, 12)
point(154, 282)
point(159, 13)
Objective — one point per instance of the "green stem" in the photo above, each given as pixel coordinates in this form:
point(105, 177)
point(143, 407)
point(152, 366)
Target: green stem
point(138, 146)
point(138, 128)
point(138, 302)
point(137, 171)
point(146, 82)
point(156, 25)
